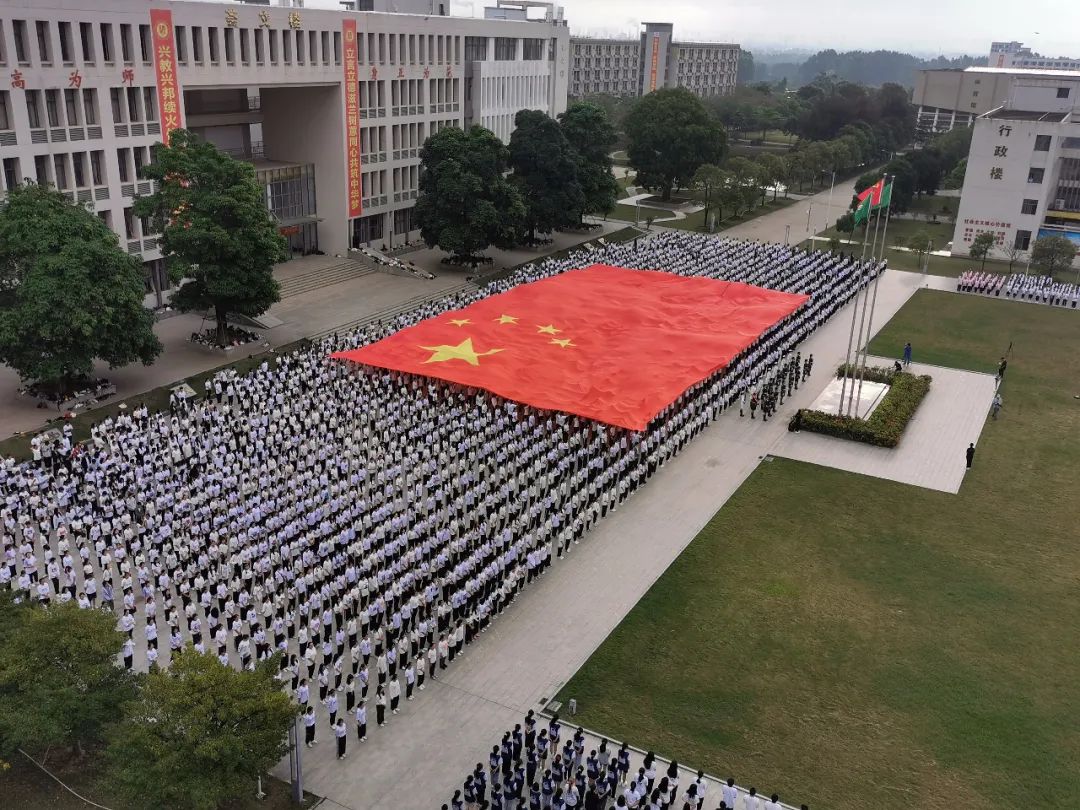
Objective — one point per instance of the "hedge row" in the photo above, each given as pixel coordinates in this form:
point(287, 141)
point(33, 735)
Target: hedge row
point(880, 374)
point(885, 425)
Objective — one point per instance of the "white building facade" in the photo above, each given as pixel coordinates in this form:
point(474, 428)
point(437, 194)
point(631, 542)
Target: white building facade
point(1023, 171)
point(635, 67)
point(1015, 55)
point(87, 91)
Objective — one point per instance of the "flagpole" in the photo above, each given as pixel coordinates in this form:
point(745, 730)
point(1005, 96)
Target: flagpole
point(854, 313)
point(873, 298)
point(852, 405)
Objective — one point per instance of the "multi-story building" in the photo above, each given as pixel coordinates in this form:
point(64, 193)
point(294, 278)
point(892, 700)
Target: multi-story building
point(634, 67)
point(956, 97)
point(1015, 55)
point(332, 107)
point(1023, 171)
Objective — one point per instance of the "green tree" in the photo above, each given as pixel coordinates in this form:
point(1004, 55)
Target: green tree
point(772, 170)
point(59, 680)
point(928, 174)
point(919, 243)
point(216, 230)
point(846, 223)
point(709, 179)
point(981, 246)
point(591, 135)
point(466, 202)
point(68, 293)
point(1053, 253)
point(199, 734)
point(672, 134)
point(545, 173)
point(904, 182)
point(955, 178)
point(745, 71)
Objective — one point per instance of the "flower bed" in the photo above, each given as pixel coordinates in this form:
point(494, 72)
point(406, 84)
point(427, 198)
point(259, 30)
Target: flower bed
point(886, 424)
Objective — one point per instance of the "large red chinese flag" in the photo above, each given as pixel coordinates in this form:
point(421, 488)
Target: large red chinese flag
point(608, 343)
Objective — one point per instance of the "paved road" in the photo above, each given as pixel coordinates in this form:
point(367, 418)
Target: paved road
point(773, 227)
point(529, 653)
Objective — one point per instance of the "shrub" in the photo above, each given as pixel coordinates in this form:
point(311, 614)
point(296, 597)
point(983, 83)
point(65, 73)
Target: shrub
point(886, 424)
point(880, 374)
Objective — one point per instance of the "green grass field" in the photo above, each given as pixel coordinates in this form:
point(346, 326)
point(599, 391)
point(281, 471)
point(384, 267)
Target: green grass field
point(855, 643)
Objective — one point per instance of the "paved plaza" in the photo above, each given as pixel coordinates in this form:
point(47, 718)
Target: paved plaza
point(530, 653)
point(931, 453)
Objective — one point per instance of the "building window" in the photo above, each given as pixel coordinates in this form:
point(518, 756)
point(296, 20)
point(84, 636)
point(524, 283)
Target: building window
point(67, 55)
point(129, 223)
point(150, 103)
point(78, 163)
point(1042, 143)
point(52, 98)
point(41, 169)
point(106, 42)
point(33, 108)
point(60, 171)
point(5, 112)
point(1029, 206)
point(1063, 92)
point(11, 172)
point(86, 39)
point(144, 43)
point(1023, 240)
point(18, 30)
point(1035, 175)
point(122, 162)
point(43, 42)
point(71, 107)
point(90, 106)
point(97, 168)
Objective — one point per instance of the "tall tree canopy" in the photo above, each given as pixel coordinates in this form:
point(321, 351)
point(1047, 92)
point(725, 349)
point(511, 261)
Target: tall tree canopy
point(1053, 253)
point(591, 136)
point(68, 293)
point(545, 173)
point(672, 134)
point(466, 202)
point(217, 232)
point(59, 679)
point(199, 734)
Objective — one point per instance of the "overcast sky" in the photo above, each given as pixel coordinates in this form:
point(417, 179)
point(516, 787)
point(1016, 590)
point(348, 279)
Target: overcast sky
point(1051, 27)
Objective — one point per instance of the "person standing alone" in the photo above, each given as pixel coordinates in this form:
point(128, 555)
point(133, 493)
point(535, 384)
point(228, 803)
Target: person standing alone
point(907, 353)
point(970, 454)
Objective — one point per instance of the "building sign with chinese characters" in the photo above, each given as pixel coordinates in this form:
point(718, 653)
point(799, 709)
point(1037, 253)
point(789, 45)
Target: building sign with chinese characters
point(655, 61)
point(168, 84)
point(973, 227)
point(352, 116)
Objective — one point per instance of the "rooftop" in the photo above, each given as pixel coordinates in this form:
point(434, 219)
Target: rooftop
point(1004, 113)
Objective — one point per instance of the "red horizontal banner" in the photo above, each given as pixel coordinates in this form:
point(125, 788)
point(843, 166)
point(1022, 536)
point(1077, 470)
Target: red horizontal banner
point(607, 343)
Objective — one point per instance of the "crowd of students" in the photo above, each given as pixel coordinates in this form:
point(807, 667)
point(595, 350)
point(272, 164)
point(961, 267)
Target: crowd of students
point(535, 767)
point(367, 525)
point(1039, 289)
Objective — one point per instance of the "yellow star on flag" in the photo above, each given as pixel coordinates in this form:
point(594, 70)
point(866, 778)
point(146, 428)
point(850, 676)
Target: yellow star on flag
point(506, 319)
point(459, 321)
point(563, 343)
point(548, 330)
point(463, 351)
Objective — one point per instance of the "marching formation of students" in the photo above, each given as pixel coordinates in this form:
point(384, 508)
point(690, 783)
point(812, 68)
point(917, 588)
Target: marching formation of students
point(534, 767)
point(1039, 289)
point(368, 525)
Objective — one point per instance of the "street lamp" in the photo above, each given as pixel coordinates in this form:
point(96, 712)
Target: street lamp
point(809, 211)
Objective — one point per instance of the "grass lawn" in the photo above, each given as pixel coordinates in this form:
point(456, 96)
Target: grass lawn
point(856, 643)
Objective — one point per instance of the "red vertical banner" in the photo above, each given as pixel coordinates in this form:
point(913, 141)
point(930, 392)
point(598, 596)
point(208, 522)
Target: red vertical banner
point(352, 116)
point(655, 61)
point(168, 85)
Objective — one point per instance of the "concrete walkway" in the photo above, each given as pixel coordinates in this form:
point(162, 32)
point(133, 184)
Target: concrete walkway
point(529, 653)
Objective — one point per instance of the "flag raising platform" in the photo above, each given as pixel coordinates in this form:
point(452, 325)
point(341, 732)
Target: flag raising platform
point(608, 343)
